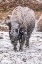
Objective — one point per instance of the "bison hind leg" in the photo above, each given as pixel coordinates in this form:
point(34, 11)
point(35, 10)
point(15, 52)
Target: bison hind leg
point(29, 31)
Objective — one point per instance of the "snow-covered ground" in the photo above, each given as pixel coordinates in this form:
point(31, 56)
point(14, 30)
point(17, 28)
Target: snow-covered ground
point(31, 55)
point(39, 0)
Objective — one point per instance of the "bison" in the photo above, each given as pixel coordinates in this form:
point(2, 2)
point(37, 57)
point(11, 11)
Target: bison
point(21, 25)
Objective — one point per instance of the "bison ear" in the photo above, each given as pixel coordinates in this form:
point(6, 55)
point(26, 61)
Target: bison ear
point(8, 23)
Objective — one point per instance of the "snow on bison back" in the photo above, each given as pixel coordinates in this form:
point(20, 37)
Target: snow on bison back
point(22, 22)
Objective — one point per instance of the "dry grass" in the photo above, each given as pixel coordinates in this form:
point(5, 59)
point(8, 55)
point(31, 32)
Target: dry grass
point(38, 13)
point(6, 13)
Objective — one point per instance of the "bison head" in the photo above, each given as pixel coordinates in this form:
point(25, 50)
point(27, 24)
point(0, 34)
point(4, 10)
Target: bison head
point(16, 30)
point(13, 30)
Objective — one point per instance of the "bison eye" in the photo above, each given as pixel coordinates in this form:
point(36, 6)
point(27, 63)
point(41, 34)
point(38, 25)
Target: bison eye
point(16, 30)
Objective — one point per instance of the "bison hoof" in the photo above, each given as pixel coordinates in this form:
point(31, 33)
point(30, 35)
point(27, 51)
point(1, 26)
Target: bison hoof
point(15, 49)
point(20, 49)
point(27, 45)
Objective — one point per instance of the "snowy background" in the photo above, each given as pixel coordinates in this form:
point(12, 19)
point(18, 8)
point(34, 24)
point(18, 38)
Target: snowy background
point(31, 55)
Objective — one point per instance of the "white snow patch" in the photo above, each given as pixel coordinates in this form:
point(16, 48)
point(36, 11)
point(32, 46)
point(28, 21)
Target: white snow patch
point(31, 55)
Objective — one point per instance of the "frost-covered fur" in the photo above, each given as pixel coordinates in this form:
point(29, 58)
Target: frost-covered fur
point(23, 14)
point(22, 18)
point(39, 24)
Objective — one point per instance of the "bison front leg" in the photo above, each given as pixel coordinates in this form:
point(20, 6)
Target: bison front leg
point(21, 41)
point(27, 41)
point(14, 44)
point(21, 44)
